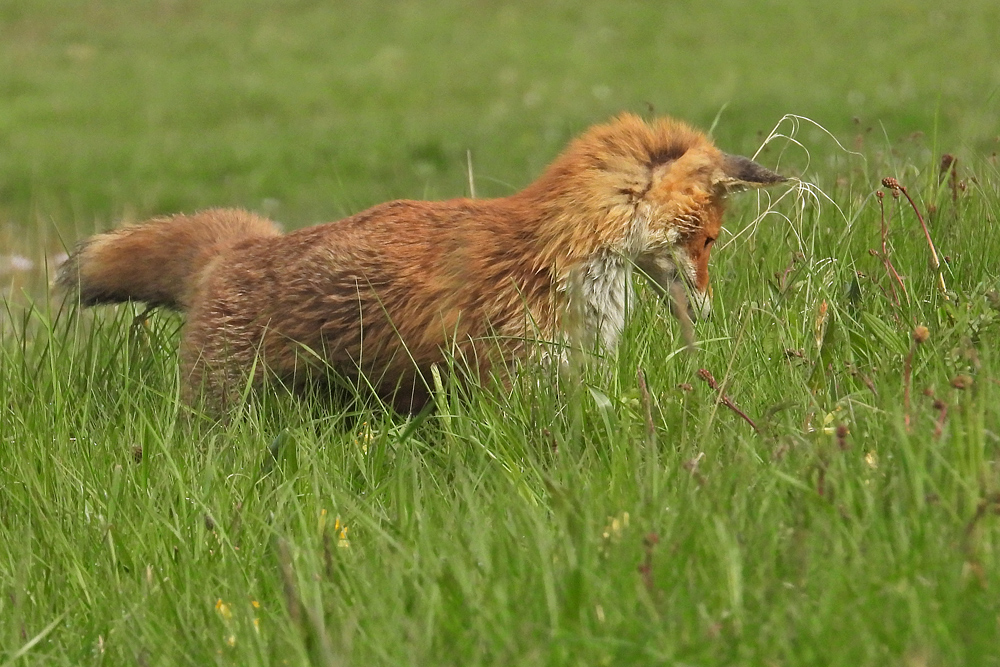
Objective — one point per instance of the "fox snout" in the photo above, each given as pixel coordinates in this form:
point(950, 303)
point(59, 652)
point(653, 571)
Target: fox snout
point(675, 277)
point(699, 304)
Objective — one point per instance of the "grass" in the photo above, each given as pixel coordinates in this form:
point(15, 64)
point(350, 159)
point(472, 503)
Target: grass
point(591, 524)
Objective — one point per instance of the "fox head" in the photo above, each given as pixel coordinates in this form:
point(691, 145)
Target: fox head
point(683, 212)
point(654, 193)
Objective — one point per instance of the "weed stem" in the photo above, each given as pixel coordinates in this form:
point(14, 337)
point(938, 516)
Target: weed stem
point(705, 375)
point(895, 186)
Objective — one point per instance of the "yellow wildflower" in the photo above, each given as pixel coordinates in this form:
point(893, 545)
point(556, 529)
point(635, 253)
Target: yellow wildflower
point(224, 610)
point(365, 437)
point(341, 530)
point(616, 526)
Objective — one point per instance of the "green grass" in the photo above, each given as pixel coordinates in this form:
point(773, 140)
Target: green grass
point(550, 526)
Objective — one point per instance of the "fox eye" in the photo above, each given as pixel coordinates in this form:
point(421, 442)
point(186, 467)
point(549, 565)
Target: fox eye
point(708, 242)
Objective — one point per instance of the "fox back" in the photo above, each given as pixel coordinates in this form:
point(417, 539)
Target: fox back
point(386, 293)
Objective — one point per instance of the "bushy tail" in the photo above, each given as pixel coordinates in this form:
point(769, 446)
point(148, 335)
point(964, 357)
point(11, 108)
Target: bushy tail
point(159, 261)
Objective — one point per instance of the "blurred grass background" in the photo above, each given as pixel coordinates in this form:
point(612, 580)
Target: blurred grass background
point(309, 111)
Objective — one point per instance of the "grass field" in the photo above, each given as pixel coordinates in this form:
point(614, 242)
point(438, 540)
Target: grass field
point(633, 519)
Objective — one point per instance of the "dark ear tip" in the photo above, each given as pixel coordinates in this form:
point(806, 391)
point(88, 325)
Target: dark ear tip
point(766, 177)
point(744, 171)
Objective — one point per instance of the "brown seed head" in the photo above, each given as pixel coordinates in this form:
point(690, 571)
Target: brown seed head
point(842, 433)
point(921, 334)
point(879, 194)
point(891, 183)
point(961, 382)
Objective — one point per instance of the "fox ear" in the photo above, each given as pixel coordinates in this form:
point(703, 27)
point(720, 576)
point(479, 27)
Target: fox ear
point(741, 173)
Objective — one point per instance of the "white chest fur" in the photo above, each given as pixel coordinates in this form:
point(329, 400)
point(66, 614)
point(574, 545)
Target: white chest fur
point(600, 294)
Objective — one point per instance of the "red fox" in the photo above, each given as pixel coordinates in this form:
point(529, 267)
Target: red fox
point(390, 291)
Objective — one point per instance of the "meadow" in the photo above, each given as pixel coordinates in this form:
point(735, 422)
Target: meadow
point(631, 518)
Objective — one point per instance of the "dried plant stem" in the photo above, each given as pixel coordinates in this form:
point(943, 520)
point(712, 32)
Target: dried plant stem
point(889, 268)
point(894, 185)
point(949, 169)
point(942, 409)
point(646, 566)
point(725, 400)
point(821, 479)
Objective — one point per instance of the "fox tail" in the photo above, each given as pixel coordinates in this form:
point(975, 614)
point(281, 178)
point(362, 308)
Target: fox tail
point(157, 262)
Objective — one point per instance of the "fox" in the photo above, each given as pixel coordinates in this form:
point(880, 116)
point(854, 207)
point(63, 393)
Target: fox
point(384, 295)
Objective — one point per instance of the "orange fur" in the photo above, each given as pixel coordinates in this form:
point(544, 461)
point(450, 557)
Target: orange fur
point(392, 290)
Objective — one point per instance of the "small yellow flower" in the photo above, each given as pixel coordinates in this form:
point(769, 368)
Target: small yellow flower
point(231, 640)
point(256, 605)
point(224, 611)
point(341, 530)
point(365, 437)
point(616, 526)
